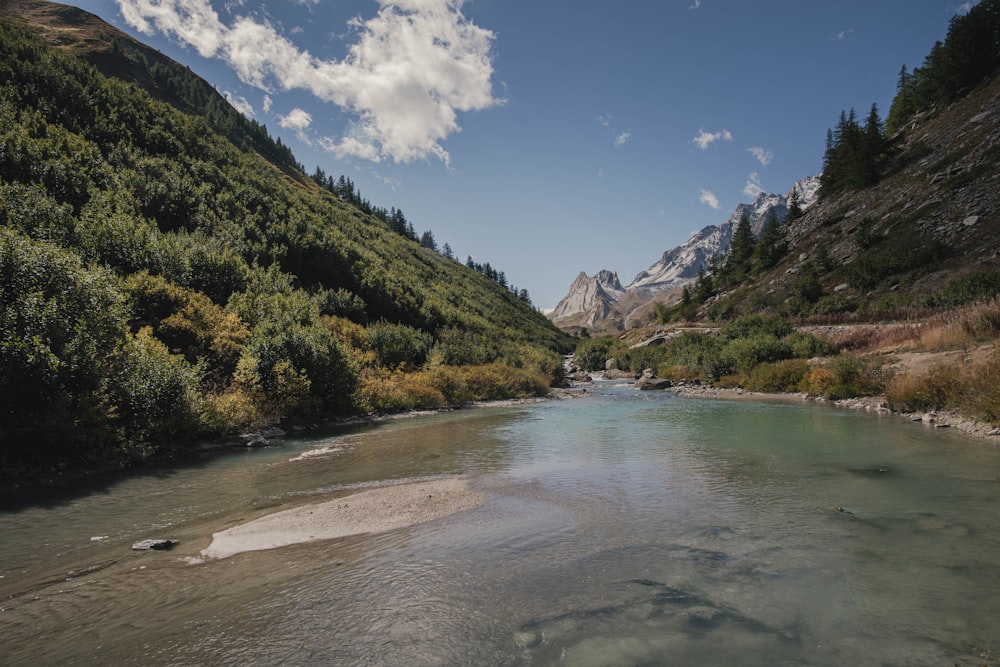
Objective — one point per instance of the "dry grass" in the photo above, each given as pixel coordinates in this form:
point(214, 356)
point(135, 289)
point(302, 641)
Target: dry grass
point(972, 388)
point(953, 329)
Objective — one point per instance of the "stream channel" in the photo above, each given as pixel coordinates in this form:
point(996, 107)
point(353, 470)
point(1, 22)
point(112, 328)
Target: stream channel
point(621, 528)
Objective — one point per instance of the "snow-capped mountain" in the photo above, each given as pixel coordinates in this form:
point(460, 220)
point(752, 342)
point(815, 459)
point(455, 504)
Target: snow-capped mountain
point(593, 299)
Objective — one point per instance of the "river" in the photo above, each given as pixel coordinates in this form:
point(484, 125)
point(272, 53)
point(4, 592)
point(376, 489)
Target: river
point(624, 528)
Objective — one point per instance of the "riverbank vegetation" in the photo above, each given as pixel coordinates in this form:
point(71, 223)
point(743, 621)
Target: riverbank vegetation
point(160, 284)
point(949, 361)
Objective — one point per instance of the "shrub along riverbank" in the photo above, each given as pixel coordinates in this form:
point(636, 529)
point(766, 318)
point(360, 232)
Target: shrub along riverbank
point(768, 354)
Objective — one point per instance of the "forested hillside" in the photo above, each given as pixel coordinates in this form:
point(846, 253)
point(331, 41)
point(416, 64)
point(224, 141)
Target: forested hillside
point(159, 283)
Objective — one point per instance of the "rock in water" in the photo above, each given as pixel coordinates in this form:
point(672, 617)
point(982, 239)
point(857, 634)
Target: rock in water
point(647, 383)
point(153, 545)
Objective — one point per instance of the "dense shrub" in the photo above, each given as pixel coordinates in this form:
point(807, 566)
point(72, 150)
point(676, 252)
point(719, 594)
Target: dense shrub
point(592, 353)
point(894, 256)
point(853, 376)
point(458, 347)
point(499, 381)
point(755, 325)
point(977, 286)
point(60, 328)
point(638, 359)
point(783, 376)
point(746, 353)
point(155, 394)
point(305, 368)
point(805, 345)
point(398, 345)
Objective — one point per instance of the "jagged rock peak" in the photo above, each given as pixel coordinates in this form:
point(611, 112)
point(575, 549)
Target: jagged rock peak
point(590, 296)
point(808, 190)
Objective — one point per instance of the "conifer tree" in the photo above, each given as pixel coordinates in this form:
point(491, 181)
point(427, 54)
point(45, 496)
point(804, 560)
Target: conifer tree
point(738, 260)
point(794, 206)
point(771, 246)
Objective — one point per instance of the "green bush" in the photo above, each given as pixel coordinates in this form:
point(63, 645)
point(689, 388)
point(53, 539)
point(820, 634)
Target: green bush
point(783, 376)
point(639, 359)
point(746, 353)
point(853, 376)
point(155, 394)
point(304, 368)
point(399, 345)
point(60, 327)
point(592, 353)
point(458, 347)
point(805, 345)
point(755, 325)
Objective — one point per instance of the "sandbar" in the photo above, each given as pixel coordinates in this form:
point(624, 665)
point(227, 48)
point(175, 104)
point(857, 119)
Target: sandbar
point(373, 511)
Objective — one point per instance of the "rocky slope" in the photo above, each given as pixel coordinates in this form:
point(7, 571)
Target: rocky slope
point(600, 303)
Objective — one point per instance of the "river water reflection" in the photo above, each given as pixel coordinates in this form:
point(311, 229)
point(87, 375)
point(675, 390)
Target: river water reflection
point(624, 528)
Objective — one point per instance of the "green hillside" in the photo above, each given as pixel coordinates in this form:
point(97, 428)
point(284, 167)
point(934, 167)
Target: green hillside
point(161, 283)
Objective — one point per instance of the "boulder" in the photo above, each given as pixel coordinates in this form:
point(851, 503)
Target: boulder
point(648, 383)
point(156, 544)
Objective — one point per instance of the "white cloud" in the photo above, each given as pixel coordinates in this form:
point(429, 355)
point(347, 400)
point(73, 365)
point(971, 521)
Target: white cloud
point(239, 103)
point(414, 67)
point(267, 103)
point(844, 34)
point(763, 155)
point(706, 197)
point(297, 119)
point(607, 120)
point(753, 187)
point(964, 8)
point(705, 138)
point(695, 5)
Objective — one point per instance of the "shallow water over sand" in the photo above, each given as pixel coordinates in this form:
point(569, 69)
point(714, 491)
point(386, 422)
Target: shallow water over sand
point(625, 528)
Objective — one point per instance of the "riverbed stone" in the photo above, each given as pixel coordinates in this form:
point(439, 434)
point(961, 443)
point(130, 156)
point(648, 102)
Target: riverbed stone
point(155, 544)
point(648, 383)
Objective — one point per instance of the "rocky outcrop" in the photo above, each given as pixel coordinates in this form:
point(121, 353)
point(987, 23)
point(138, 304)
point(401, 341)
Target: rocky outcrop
point(590, 299)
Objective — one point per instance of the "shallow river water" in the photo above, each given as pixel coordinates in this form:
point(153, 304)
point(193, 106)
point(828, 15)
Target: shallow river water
point(625, 528)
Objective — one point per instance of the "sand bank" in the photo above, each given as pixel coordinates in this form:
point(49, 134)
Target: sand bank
point(373, 511)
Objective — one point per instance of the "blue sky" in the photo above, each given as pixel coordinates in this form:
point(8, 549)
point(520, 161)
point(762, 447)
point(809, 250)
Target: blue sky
point(549, 137)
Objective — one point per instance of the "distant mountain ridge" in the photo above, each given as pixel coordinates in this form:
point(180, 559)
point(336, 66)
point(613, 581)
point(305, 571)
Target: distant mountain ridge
point(600, 302)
